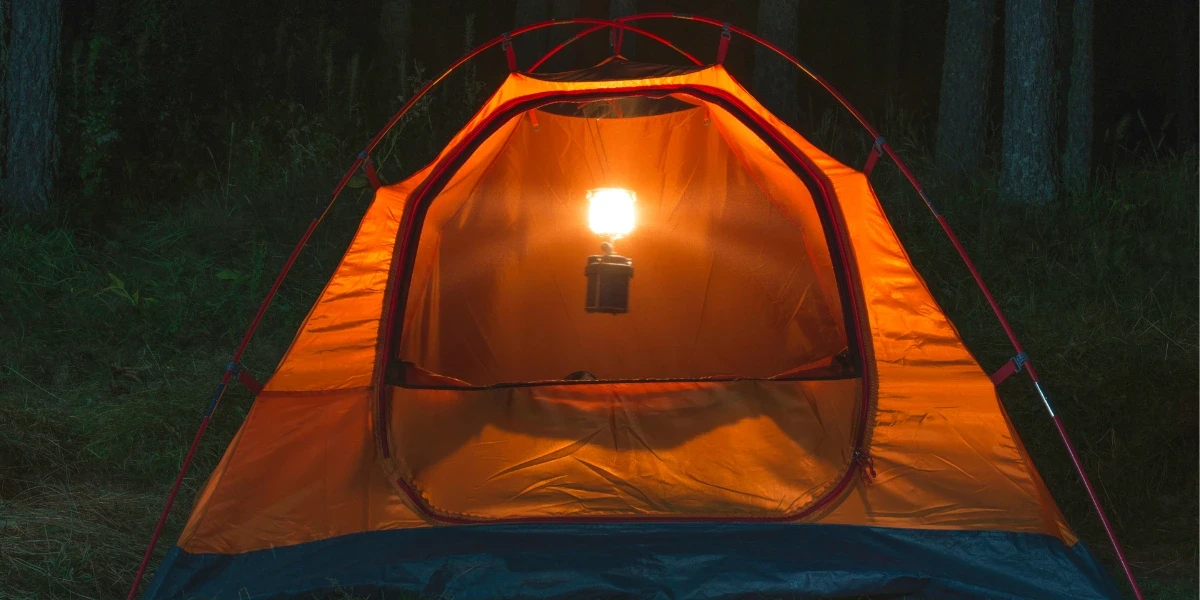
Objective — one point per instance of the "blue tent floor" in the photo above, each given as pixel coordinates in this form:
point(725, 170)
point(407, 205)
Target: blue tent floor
point(646, 560)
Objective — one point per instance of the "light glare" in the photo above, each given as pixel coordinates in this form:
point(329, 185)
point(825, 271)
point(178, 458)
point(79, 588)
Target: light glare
point(610, 211)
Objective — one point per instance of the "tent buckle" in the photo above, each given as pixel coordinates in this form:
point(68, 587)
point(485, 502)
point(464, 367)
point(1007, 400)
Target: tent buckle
point(1019, 362)
point(873, 158)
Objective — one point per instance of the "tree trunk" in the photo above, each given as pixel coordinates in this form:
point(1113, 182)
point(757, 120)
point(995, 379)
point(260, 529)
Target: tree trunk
point(776, 80)
point(32, 72)
point(395, 29)
point(530, 46)
point(895, 46)
point(1027, 156)
point(1186, 86)
point(3, 96)
point(1077, 157)
point(966, 72)
point(624, 8)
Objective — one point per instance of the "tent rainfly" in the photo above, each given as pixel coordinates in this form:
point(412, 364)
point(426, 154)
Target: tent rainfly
point(629, 334)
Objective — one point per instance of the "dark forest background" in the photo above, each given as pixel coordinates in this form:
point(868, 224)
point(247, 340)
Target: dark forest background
point(158, 160)
point(145, 87)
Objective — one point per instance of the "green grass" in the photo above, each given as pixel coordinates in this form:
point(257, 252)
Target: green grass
point(1102, 290)
point(113, 335)
point(113, 338)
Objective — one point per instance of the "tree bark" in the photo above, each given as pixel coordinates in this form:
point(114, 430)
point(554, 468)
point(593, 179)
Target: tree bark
point(966, 72)
point(1186, 85)
point(3, 96)
point(395, 29)
point(1027, 171)
point(624, 8)
point(776, 80)
point(895, 45)
point(35, 27)
point(1077, 157)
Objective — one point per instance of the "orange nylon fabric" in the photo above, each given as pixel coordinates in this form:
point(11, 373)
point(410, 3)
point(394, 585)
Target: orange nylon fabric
point(945, 454)
point(302, 468)
point(335, 346)
point(756, 449)
point(306, 465)
point(725, 284)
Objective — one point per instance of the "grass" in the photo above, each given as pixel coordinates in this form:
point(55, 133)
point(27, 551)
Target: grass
point(114, 334)
point(1102, 290)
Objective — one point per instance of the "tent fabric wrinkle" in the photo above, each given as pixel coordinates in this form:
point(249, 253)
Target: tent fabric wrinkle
point(784, 410)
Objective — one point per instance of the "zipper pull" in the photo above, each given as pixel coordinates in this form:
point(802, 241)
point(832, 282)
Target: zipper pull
point(867, 463)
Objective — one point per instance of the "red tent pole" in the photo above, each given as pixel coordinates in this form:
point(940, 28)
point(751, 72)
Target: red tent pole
point(220, 392)
point(555, 50)
point(229, 372)
point(605, 25)
point(500, 39)
point(620, 23)
point(266, 302)
point(1008, 330)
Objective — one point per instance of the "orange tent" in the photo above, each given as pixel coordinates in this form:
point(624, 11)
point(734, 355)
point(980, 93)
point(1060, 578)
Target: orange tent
point(784, 408)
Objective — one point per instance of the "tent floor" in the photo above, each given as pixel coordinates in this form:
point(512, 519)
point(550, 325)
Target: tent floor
point(729, 449)
point(623, 560)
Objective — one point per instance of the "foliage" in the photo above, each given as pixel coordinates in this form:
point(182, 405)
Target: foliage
point(118, 311)
point(1102, 289)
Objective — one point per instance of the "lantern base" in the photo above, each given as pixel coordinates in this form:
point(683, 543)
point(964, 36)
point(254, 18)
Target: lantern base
point(608, 283)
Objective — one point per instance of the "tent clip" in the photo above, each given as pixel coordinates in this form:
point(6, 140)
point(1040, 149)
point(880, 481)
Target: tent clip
point(723, 47)
point(1019, 361)
point(616, 36)
point(1015, 364)
point(509, 54)
point(368, 168)
point(245, 378)
point(873, 157)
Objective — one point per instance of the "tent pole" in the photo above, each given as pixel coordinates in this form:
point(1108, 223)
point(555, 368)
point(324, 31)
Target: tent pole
point(266, 302)
point(1076, 460)
point(229, 370)
point(620, 23)
point(908, 174)
point(601, 23)
point(187, 461)
point(555, 50)
point(606, 25)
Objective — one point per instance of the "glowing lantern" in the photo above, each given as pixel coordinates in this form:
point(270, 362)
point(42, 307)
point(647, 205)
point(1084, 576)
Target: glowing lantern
point(611, 216)
point(610, 211)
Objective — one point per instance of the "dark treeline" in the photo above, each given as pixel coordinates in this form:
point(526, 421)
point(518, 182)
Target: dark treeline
point(145, 90)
